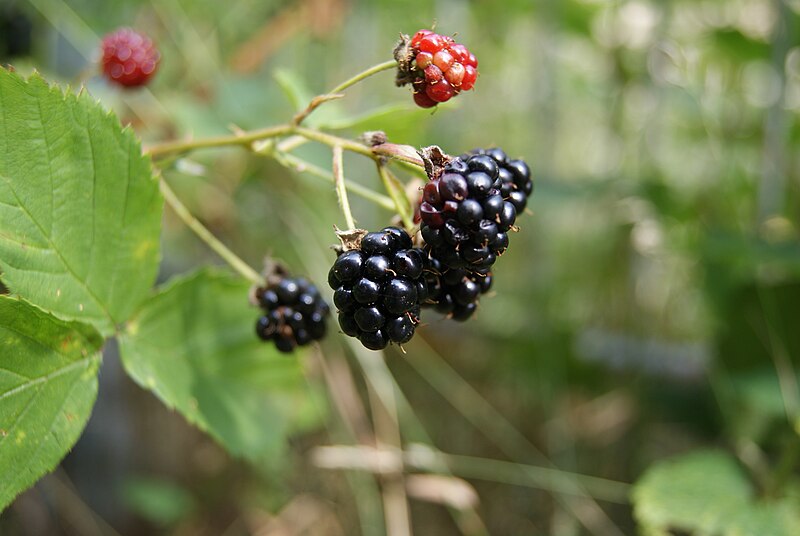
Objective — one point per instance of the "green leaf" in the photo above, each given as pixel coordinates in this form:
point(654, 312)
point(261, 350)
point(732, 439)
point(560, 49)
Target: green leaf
point(80, 211)
point(48, 384)
point(194, 346)
point(706, 492)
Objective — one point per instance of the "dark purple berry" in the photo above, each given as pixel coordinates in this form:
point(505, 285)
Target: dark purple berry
point(376, 268)
point(378, 243)
point(348, 324)
point(479, 184)
point(453, 187)
point(369, 318)
point(347, 266)
point(366, 291)
point(469, 212)
point(375, 340)
point(399, 295)
point(400, 329)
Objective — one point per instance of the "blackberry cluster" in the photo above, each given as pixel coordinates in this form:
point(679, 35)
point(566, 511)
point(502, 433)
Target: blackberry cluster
point(466, 212)
point(465, 217)
point(294, 313)
point(455, 292)
point(378, 288)
point(437, 67)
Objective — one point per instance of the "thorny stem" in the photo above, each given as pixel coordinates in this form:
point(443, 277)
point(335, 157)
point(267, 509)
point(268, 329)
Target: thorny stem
point(341, 191)
point(205, 235)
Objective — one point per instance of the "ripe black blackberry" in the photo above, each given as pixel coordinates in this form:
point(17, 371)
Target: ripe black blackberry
point(294, 312)
point(455, 292)
point(469, 207)
point(378, 288)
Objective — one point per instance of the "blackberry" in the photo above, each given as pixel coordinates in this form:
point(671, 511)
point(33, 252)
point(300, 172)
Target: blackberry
point(465, 218)
point(294, 312)
point(455, 292)
point(378, 288)
point(437, 67)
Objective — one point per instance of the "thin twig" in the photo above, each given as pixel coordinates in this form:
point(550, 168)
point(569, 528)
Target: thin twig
point(341, 190)
point(206, 236)
point(302, 166)
point(395, 189)
point(170, 147)
point(335, 92)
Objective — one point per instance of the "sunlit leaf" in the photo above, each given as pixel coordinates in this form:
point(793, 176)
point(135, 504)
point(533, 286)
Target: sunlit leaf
point(80, 211)
point(48, 384)
point(194, 345)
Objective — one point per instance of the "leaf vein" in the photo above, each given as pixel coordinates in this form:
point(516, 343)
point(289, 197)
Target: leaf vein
point(58, 253)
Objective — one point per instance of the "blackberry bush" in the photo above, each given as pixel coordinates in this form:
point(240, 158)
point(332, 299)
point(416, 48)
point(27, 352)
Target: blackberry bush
point(378, 288)
point(294, 313)
point(436, 66)
point(94, 279)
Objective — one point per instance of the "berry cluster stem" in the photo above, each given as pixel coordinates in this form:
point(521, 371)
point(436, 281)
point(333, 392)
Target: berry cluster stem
point(341, 191)
point(302, 166)
point(160, 150)
point(334, 93)
point(206, 236)
point(395, 189)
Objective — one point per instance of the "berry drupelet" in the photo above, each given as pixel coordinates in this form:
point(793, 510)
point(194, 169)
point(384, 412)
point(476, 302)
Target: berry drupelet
point(378, 288)
point(129, 58)
point(437, 67)
point(294, 313)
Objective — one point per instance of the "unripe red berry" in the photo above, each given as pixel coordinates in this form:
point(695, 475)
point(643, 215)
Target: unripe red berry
point(129, 58)
point(437, 67)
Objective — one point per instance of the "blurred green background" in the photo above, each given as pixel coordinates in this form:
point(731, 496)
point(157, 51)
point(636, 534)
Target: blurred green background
point(649, 306)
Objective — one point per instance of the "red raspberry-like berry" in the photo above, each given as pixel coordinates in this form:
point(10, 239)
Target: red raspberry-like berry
point(437, 67)
point(129, 58)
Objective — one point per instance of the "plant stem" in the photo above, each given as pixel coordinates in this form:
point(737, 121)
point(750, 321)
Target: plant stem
point(385, 66)
point(334, 141)
point(162, 149)
point(205, 235)
point(333, 94)
point(302, 166)
point(341, 191)
point(398, 195)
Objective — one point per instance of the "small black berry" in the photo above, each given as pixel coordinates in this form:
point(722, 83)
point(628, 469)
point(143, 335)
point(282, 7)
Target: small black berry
point(294, 313)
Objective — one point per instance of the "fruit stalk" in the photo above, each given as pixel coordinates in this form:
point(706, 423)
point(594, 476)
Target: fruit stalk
point(341, 191)
point(206, 236)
